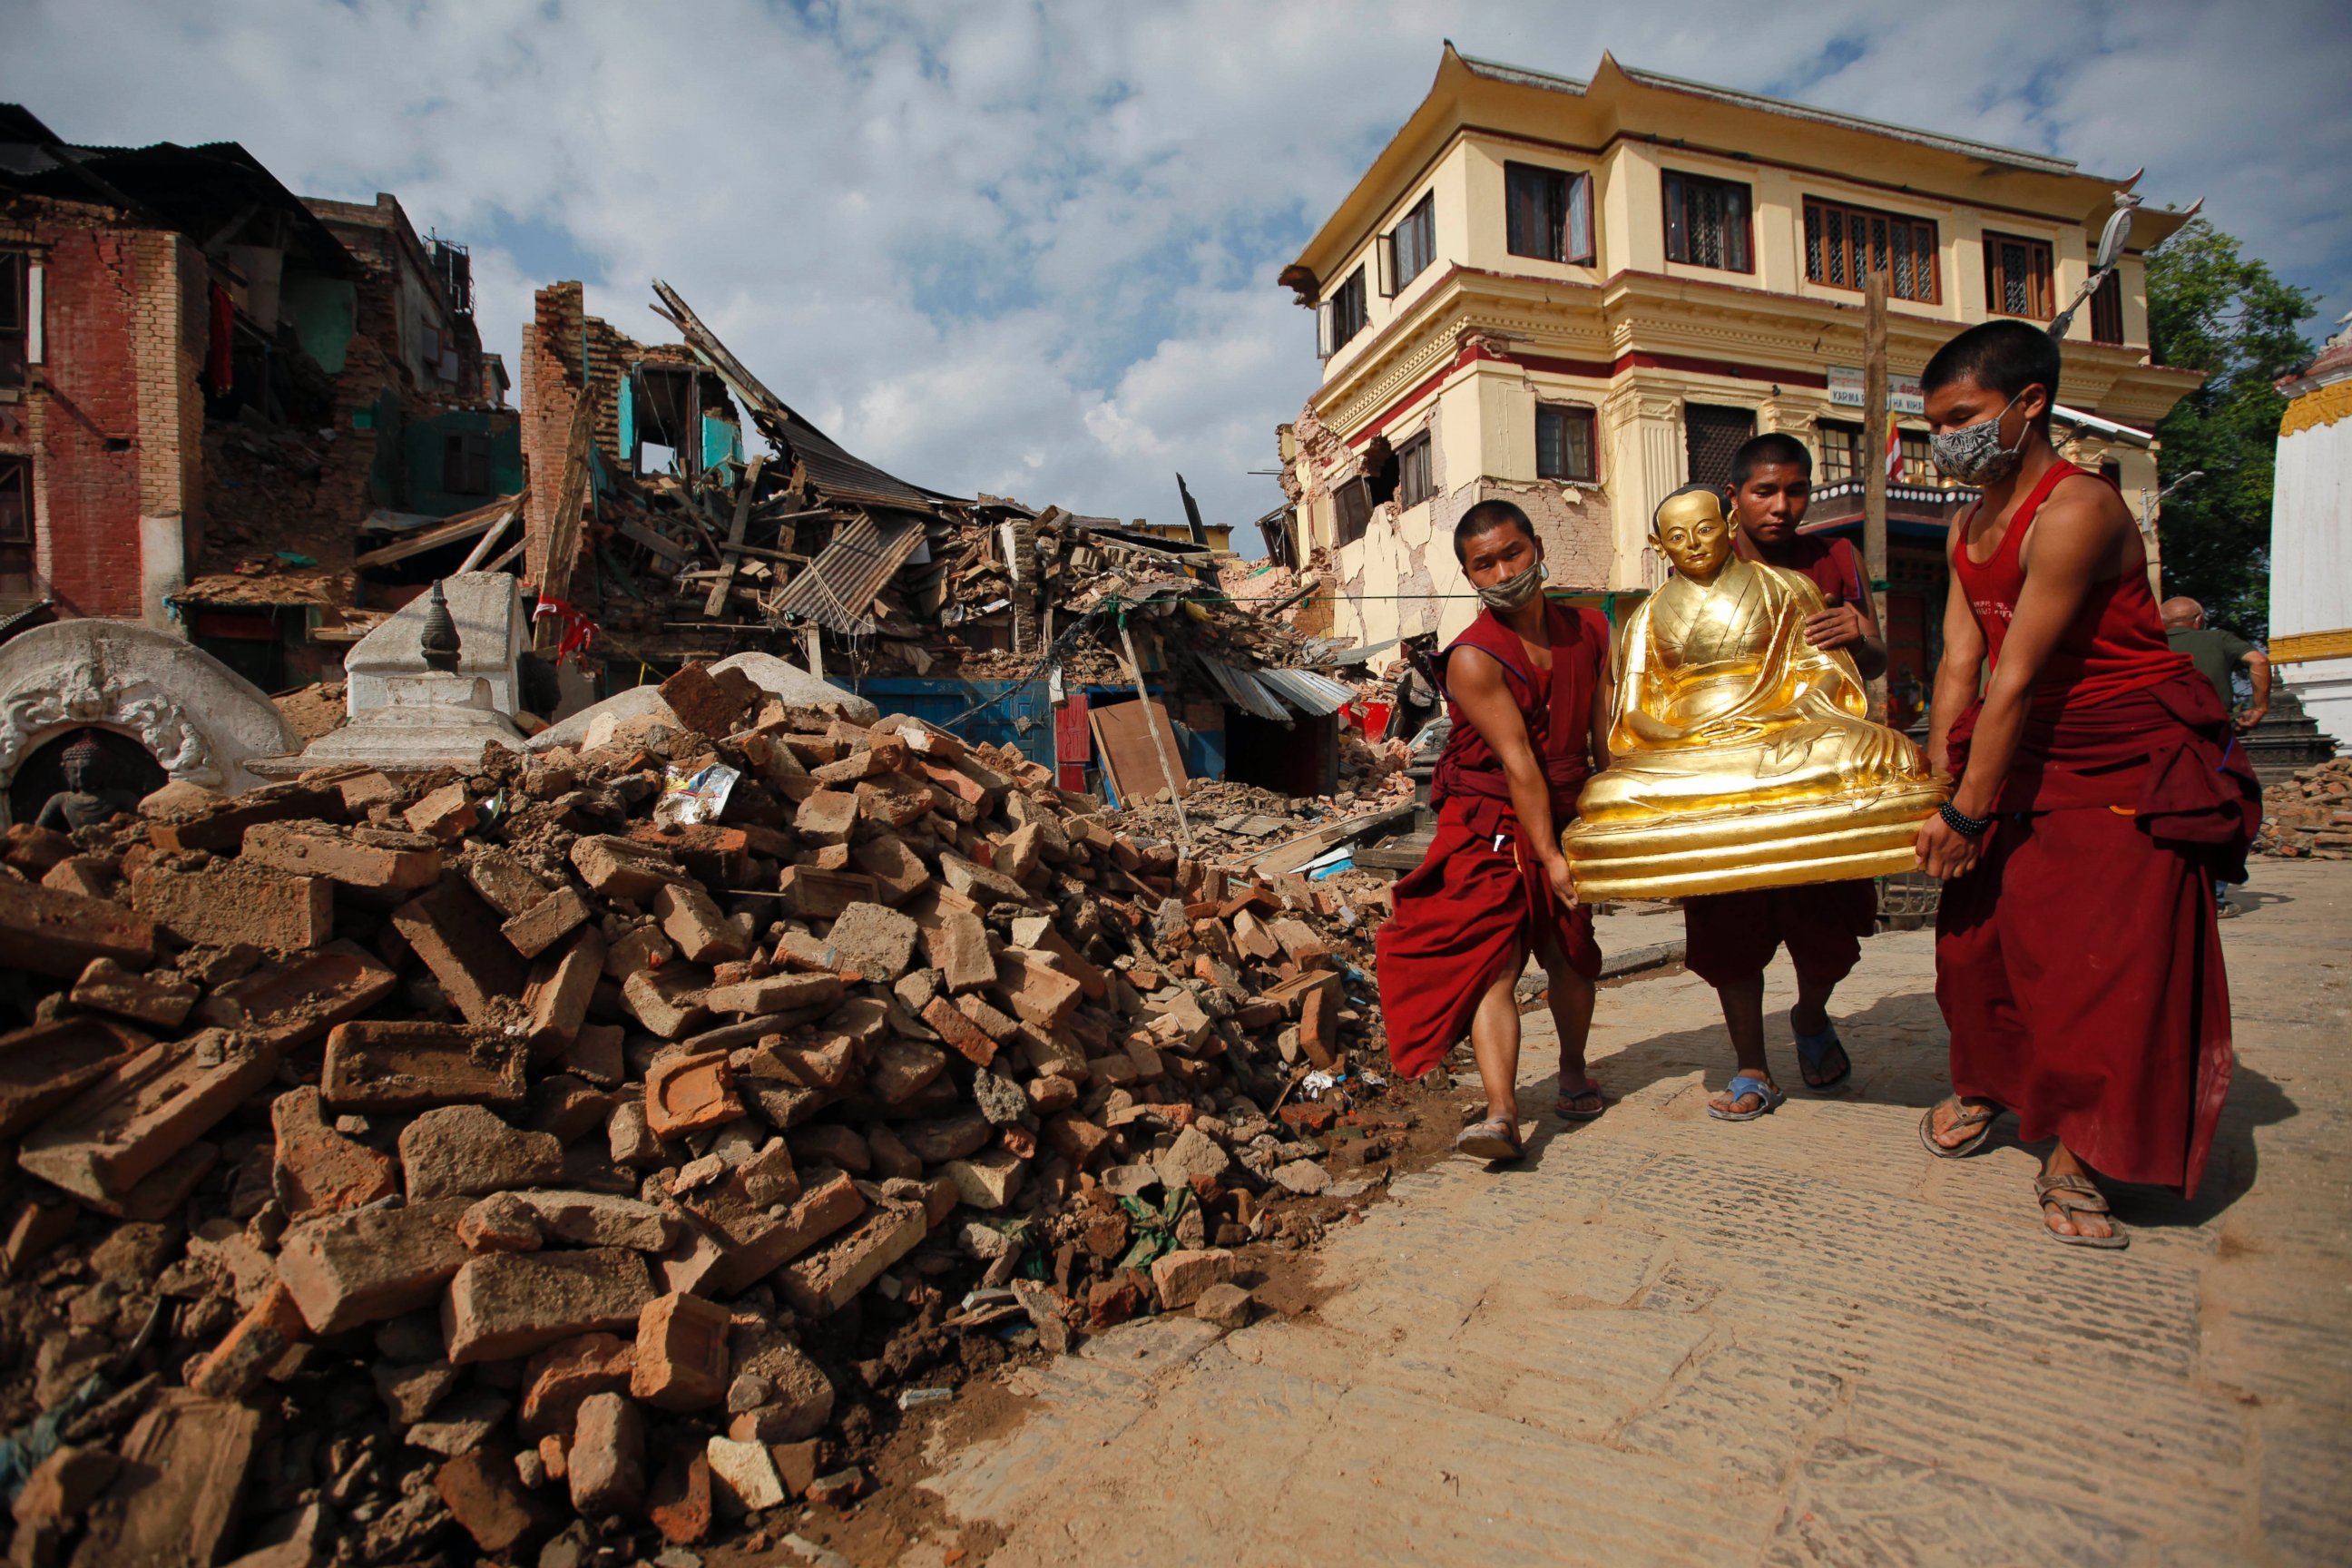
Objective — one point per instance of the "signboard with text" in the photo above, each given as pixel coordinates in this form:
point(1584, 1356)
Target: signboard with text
point(1902, 391)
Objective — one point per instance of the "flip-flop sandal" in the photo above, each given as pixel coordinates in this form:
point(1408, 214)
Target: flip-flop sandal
point(2073, 1195)
point(1813, 1053)
point(1493, 1139)
point(1745, 1085)
point(1976, 1116)
point(1560, 1105)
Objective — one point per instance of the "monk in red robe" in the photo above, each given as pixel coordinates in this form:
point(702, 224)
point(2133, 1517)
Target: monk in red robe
point(1528, 689)
point(1728, 937)
point(2099, 792)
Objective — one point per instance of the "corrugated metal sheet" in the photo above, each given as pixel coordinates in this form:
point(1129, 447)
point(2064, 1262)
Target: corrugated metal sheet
point(1242, 690)
point(1317, 696)
point(836, 590)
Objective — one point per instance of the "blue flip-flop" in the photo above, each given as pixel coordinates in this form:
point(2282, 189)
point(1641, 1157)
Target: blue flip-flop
point(1812, 1049)
point(1745, 1085)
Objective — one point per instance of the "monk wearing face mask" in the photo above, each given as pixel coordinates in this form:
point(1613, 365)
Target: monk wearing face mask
point(1528, 689)
point(2099, 791)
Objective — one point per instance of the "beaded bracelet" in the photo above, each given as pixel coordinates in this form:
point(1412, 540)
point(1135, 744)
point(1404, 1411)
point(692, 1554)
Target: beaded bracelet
point(1960, 822)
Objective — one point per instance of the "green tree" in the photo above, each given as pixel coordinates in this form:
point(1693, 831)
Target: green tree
point(2213, 309)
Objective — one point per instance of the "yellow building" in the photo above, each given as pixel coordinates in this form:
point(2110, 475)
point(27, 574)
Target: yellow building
point(1581, 294)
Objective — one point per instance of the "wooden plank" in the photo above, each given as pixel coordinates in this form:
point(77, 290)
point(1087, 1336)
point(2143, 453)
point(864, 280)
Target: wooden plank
point(482, 546)
point(1291, 854)
point(727, 552)
point(1129, 736)
point(464, 525)
point(637, 533)
point(1071, 751)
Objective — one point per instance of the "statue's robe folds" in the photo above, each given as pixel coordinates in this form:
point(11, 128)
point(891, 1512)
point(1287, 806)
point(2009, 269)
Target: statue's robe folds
point(1742, 755)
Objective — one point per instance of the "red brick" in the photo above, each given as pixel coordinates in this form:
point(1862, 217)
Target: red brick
point(827, 1279)
point(489, 1502)
point(162, 998)
point(467, 1150)
point(753, 1243)
point(815, 895)
point(509, 1304)
point(710, 851)
point(681, 1353)
point(702, 704)
point(680, 1506)
point(1318, 1026)
point(291, 1003)
point(690, 919)
point(562, 985)
point(146, 1110)
point(687, 1093)
point(827, 816)
point(959, 1031)
point(320, 1170)
point(773, 994)
point(58, 934)
point(618, 868)
point(222, 828)
point(457, 937)
point(91, 876)
point(258, 1341)
point(607, 1461)
point(557, 1378)
point(898, 870)
point(1180, 1277)
point(368, 858)
point(958, 948)
point(503, 883)
point(176, 1499)
point(667, 1001)
point(1041, 993)
point(546, 922)
point(443, 813)
point(366, 1265)
point(1076, 1139)
point(412, 1067)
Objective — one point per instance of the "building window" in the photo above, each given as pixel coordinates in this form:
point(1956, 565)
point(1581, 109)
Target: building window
point(2108, 311)
point(1411, 245)
point(466, 463)
point(1564, 443)
point(15, 317)
point(1915, 466)
point(15, 527)
point(2018, 276)
point(1547, 213)
point(1840, 452)
point(1844, 245)
point(1415, 484)
point(1344, 314)
point(1712, 437)
point(1707, 223)
point(1354, 502)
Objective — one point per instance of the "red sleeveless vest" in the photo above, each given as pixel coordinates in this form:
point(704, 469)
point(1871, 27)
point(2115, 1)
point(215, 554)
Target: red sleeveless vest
point(1557, 705)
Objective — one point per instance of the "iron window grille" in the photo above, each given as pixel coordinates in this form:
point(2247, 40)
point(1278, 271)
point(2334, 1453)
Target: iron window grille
point(2018, 276)
point(1708, 223)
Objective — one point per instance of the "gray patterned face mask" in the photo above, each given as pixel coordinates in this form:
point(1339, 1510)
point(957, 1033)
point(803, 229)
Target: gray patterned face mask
point(1973, 453)
point(1513, 591)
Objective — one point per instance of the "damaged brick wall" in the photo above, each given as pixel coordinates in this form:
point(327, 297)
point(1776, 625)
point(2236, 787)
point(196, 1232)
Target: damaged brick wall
point(565, 350)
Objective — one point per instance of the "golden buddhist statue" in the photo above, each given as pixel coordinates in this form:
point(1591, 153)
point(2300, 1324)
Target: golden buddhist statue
point(1741, 755)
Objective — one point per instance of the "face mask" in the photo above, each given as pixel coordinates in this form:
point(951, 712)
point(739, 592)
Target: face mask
point(1513, 591)
point(1973, 453)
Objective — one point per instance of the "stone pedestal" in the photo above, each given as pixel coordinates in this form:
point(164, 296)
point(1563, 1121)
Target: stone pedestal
point(2287, 739)
point(426, 721)
point(487, 609)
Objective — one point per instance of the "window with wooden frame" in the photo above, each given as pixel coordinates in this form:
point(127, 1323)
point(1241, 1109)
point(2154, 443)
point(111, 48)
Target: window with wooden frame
point(1353, 502)
point(1840, 452)
point(1916, 464)
point(1844, 245)
point(1407, 249)
point(16, 526)
point(1565, 444)
point(1548, 214)
point(2018, 276)
point(1343, 315)
point(15, 317)
point(1708, 223)
point(2108, 311)
point(1416, 483)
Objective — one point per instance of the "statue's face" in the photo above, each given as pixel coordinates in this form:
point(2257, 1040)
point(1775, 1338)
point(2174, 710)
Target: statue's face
point(1698, 546)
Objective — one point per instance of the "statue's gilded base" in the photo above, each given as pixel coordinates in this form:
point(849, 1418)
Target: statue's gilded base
point(1684, 854)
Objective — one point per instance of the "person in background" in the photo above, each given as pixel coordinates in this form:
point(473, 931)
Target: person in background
point(2217, 655)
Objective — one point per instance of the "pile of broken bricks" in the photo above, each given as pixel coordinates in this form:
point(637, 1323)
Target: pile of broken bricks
point(470, 1159)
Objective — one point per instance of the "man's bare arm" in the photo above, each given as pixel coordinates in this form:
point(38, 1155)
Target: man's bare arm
point(2258, 669)
point(1476, 685)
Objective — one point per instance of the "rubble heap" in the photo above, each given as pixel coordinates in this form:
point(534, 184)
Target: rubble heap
point(591, 1144)
point(2309, 814)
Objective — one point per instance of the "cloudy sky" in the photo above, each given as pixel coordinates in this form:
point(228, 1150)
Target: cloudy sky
point(1031, 249)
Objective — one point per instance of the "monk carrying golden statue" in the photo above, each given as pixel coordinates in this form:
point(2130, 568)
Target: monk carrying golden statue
point(1746, 778)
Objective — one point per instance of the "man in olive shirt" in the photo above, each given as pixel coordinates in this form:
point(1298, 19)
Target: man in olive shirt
point(2217, 654)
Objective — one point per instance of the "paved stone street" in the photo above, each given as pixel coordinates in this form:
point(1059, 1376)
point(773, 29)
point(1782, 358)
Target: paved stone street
point(1800, 1340)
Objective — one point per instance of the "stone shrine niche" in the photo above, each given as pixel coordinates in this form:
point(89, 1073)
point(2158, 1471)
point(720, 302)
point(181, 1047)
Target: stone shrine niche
point(127, 772)
point(191, 716)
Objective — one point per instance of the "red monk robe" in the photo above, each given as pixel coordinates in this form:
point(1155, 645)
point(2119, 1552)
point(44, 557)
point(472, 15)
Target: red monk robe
point(2079, 964)
point(1480, 894)
point(1730, 937)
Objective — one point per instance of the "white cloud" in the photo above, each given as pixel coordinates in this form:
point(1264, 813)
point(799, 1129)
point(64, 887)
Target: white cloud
point(1031, 248)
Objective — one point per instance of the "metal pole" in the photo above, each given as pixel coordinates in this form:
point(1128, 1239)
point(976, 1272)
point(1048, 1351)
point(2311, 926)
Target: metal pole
point(1873, 478)
point(1159, 745)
